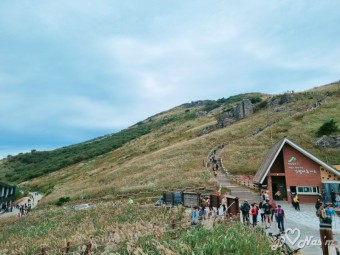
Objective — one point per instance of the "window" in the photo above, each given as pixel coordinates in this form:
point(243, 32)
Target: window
point(308, 190)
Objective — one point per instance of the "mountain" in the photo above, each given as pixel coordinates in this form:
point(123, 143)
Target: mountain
point(167, 151)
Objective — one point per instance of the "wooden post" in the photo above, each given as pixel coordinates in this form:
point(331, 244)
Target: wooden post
point(173, 226)
point(88, 248)
point(326, 237)
point(68, 244)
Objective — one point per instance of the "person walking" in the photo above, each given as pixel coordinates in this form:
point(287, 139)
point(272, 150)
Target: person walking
point(267, 213)
point(296, 202)
point(333, 197)
point(254, 213)
point(245, 208)
point(194, 216)
point(329, 212)
point(337, 200)
point(280, 217)
point(261, 211)
point(273, 204)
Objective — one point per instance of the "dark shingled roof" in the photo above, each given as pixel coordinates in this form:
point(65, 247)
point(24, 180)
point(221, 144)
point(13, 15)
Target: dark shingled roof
point(274, 151)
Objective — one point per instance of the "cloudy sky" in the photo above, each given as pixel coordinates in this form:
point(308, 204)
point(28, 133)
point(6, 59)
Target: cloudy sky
point(74, 70)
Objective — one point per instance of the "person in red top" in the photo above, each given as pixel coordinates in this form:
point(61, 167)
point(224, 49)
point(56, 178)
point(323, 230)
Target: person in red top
point(254, 213)
point(273, 204)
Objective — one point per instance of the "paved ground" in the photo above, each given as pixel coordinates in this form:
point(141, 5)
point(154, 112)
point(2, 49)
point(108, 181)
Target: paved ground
point(303, 224)
point(22, 201)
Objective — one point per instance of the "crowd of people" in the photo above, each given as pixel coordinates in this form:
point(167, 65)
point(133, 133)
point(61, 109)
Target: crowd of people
point(266, 210)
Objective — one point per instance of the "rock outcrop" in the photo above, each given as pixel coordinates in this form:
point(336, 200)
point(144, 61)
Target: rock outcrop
point(329, 142)
point(242, 110)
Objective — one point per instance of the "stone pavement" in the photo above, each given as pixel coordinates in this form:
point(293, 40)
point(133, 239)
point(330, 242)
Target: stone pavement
point(303, 224)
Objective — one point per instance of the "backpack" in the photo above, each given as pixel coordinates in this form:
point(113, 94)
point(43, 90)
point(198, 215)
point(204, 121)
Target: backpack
point(279, 213)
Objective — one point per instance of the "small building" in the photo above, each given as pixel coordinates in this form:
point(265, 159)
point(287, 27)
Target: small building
point(7, 193)
point(288, 168)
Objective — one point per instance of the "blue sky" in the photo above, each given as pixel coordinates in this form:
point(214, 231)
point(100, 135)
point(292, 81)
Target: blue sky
point(74, 70)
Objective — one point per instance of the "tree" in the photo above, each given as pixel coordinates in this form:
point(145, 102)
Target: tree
point(327, 128)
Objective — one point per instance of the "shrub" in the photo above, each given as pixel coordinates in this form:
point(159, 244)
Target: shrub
point(62, 201)
point(327, 128)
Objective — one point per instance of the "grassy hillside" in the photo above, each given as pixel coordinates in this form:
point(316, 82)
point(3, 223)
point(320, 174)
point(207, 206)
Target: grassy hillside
point(171, 156)
point(166, 151)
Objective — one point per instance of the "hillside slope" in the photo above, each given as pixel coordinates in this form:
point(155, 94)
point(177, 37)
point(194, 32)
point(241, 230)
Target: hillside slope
point(171, 154)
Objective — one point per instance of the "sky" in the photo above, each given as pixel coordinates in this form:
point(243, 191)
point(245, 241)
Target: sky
point(71, 71)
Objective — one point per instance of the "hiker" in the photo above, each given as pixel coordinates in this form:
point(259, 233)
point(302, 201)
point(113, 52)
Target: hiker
point(333, 197)
point(329, 212)
point(280, 217)
point(296, 202)
point(267, 213)
point(202, 214)
point(254, 213)
point(245, 208)
point(318, 203)
point(337, 200)
point(224, 204)
point(194, 216)
point(277, 195)
point(272, 210)
point(261, 211)
point(130, 201)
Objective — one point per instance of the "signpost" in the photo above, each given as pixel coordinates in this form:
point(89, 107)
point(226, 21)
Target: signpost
point(190, 199)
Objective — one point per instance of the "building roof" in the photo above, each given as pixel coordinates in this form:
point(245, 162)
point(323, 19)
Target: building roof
point(6, 185)
point(274, 151)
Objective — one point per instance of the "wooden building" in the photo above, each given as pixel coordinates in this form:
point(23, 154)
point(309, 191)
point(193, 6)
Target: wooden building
point(288, 168)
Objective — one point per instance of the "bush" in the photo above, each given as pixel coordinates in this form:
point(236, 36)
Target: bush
point(327, 128)
point(62, 201)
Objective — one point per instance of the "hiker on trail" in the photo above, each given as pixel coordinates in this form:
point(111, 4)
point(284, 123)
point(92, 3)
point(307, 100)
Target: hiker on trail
point(333, 197)
point(329, 212)
point(130, 201)
point(277, 195)
point(245, 208)
point(261, 211)
point(215, 173)
point(202, 214)
point(296, 202)
point(267, 213)
point(194, 216)
point(273, 204)
point(337, 200)
point(224, 203)
point(280, 217)
point(318, 203)
point(254, 213)
point(323, 196)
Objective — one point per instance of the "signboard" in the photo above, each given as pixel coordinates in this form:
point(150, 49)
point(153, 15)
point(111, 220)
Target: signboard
point(214, 201)
point(191, 199)
point(294, 164)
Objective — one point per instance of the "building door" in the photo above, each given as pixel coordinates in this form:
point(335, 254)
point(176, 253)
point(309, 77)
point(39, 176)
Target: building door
point(279, 184)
